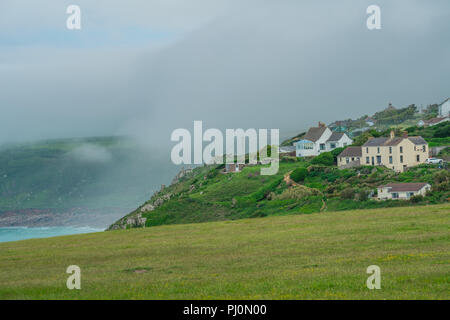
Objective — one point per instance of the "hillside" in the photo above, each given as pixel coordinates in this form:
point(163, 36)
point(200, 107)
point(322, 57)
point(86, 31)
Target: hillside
point(317, 256)
point(391, 118)
point(209, 194)
point(43, 181)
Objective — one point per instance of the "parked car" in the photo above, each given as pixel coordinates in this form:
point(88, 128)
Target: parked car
point(434, 161)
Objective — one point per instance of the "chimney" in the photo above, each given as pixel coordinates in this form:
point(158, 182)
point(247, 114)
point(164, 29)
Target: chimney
point(392, 134)
point(405, 134)
point(321, 124)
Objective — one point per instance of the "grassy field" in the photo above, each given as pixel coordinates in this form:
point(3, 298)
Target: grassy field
point(310, 256)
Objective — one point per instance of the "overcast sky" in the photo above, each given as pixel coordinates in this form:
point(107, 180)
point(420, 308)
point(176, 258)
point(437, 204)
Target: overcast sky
point(149, 67)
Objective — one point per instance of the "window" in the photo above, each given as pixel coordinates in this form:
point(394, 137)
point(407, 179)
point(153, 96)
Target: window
point(322, 146)
point(390, 159)
point(332, 145)
point(378, 159)
point(378, 149)
point(401, 159)
point(367, 150)
point(367, 160)
point(424, 148)
point(346, 159)
point(418, 158)
point(390, 149)
point(401, 149)
point(394, 195)
point(410, 194)
point(305, 146)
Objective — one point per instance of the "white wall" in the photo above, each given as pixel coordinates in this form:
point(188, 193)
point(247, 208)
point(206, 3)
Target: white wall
point(444, 109)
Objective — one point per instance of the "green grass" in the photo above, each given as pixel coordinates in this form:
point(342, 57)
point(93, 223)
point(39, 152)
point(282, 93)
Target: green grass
point(310, 256)
point(209, 195)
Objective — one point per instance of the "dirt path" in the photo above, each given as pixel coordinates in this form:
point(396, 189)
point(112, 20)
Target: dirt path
point(288, 180)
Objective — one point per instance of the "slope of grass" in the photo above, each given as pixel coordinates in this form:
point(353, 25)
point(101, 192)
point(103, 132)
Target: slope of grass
point(317, 256)
point(208, 194)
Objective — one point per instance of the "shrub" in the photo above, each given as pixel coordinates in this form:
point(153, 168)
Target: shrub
point(416, 199)
point(299, 174)
point(442, 132)
point(336, 152)
point(296, 192)
point(348, 193)
point(363, 195)
point(325, 159)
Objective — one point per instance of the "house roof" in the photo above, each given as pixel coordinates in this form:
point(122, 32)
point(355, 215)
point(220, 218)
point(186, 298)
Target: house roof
point(435, 120)
point(417, 140)
point(404, 187)
point(444, 101)
point(351, 152)
point(287, 149)
point(376, 142)
point(384, 141)
point(314, 133)
point(336, 136)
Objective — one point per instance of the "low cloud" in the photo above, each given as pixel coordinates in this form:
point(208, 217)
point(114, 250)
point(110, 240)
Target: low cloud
point(91, 153)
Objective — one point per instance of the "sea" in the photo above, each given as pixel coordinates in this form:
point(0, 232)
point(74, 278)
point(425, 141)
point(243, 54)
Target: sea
point(22, 233)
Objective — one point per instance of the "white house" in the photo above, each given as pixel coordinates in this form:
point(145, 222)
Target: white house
point(338, 140)
point(402, 191)
point(432, 122)
point(444, 108)
point(320, 139)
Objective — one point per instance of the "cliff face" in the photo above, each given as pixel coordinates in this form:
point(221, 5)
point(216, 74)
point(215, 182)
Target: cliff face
point(135, 219)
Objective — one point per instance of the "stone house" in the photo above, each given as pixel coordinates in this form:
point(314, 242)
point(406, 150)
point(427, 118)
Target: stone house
point(397, 153)
point(350, 157)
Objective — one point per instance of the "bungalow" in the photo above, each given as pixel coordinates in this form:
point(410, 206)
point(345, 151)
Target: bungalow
point(320, 139)
point(403, 191)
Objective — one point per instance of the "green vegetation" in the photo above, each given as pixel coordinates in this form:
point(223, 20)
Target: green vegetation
point(209, 194)
point(325, 158)
point(437, 135)
point(317, 256)
point(299, 174)
point(392, 116)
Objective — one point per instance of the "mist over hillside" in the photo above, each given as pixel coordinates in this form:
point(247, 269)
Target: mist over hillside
point(87, 180)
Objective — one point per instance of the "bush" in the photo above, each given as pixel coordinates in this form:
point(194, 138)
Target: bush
point(442, 132)
point(416, 199)
point(335, 153)
point(299, 174)
point(363, 195)
point(348, 193)
point(325, 159)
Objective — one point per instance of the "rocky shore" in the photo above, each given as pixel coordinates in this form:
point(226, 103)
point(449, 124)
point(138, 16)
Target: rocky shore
point(76, 217)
